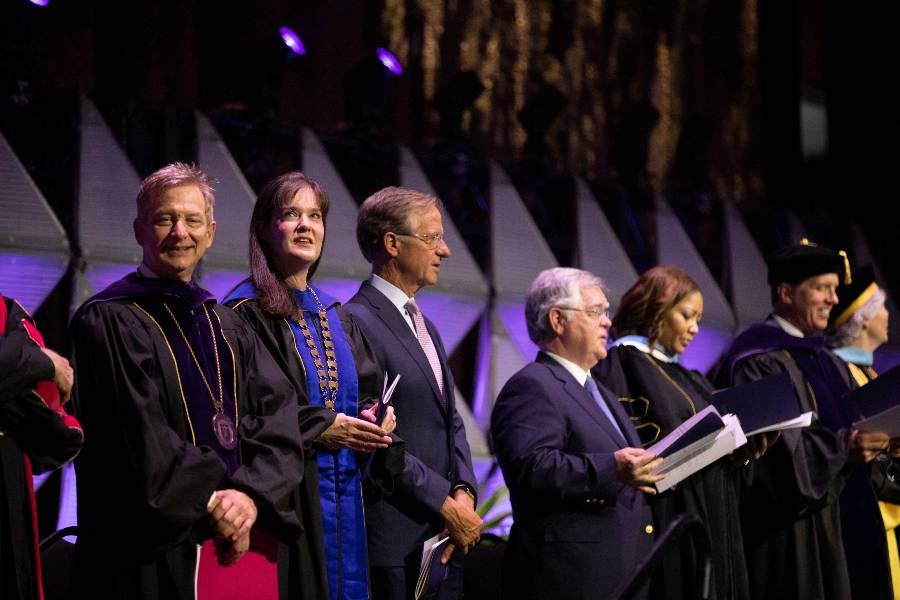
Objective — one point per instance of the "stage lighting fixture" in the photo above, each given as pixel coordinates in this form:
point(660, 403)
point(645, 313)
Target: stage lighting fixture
point(292, 40)
point(40, 2)
point(390, 62)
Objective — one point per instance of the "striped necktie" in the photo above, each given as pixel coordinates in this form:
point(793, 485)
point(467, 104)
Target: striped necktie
point(427, 346)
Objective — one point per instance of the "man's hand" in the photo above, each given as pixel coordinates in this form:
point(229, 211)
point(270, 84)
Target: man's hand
point(894, 449)
point(63, 375)
point(460, 495)
point(389, 423)
point(228, 552)
point(635, 468)
point(233, 512)
point(463, 525)
point(866, 445)
point(353, 433)
point(757, 445)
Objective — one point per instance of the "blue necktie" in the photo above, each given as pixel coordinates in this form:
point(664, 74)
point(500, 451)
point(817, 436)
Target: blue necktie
point(591, 386)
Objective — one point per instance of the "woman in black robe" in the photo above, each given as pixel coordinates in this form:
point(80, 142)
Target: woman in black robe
point(657, 319)
point(857, 326)
point(292, 316)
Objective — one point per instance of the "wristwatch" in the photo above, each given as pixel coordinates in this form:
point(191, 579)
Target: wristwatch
point(466, 488)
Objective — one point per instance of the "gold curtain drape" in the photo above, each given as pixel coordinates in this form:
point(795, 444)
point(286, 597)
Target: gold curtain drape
point(642, 82)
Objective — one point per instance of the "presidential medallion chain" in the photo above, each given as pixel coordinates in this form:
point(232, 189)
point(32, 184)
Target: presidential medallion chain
point(223, 426)
point(326, 372)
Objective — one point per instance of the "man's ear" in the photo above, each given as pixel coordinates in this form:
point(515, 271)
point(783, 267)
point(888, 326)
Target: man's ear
point(391, 243)
point(785, 292)
point(138, 228)
point(556, 319)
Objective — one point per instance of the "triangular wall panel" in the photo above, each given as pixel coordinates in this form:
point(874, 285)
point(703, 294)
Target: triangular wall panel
point(108, 186)
point(747, 271)
point(599, 250)
point(674, 246)
point(28, 221)
point(34, 249)
point(341, 257)
point(518, 250)
point(506, 358)
point(234, 201)
point(459, 273)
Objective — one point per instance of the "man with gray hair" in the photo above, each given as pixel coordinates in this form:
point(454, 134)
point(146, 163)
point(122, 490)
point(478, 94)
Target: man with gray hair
point(401, 233)
point(192, 446)
point(569, 454)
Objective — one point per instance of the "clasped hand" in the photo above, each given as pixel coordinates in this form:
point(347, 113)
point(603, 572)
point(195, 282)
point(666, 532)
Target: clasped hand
point(63, 375)
point(233, 514)
point(462, 522)
point(866, 445)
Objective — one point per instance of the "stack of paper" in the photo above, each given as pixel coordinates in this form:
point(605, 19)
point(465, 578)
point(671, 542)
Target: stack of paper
point(432, 573)
point(877, 404)
point(768, 404)
point(701, 440)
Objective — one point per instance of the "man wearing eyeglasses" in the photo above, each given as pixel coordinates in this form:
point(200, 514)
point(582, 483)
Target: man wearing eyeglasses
point(569, 454)
point(401, 234)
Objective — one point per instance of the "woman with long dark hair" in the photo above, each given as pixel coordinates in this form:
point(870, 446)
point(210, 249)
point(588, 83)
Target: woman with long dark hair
point(657, 319)
point(329, 362)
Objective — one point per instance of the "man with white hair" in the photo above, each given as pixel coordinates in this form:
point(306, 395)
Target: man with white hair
point(857, 326)
point(569, 454)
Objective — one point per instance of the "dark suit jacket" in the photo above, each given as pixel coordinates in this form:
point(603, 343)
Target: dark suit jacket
point(437, 453)
point(578, 531)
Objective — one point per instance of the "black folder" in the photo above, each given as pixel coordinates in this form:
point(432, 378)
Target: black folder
point(876, 405)
point(767, 404)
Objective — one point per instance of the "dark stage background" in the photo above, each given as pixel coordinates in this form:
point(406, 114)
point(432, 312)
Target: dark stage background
point(698, 99)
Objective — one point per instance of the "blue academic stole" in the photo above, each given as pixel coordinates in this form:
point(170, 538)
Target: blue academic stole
point(340, 488)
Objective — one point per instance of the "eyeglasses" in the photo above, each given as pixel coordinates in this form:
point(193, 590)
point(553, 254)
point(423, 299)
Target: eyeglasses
point(593, 312)
point(432, 241)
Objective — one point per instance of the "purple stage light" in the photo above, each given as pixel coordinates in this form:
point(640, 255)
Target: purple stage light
point(389, 61)
point(292, 40)
point(40, 2)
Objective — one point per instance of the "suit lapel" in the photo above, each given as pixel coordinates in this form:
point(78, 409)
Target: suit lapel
point(396, 323)
point(583, 398)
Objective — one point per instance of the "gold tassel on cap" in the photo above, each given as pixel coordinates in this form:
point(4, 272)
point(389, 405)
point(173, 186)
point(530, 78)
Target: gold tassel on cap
point(847, 277)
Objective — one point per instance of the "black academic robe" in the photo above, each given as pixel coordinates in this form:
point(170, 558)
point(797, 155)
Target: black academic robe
point(862, 529)
point(143, 483)
point(33, 438)
point(303, 563)
point(790, 513)
point(659, 396)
